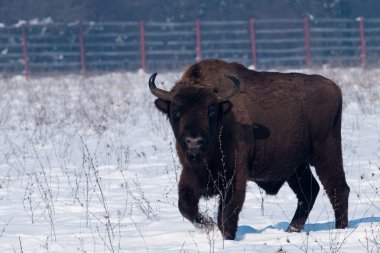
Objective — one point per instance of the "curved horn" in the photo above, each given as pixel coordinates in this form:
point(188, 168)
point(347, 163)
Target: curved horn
point(162, 94)
point(234, 91)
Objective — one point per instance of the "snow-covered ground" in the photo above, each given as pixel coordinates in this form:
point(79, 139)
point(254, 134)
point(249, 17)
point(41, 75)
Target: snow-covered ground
point(88, 165)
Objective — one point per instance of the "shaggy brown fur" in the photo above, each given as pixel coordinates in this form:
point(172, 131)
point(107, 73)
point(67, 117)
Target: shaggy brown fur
point(270, 133)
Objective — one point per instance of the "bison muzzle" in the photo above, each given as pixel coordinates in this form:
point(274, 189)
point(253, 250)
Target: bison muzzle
point(232, 125)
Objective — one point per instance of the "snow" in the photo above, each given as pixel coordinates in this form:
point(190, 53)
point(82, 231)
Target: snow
point(44, 21)
point(89, 165)
point(20, 23)
point(34, 21)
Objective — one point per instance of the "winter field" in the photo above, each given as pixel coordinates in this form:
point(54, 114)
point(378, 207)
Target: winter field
point(89, 165)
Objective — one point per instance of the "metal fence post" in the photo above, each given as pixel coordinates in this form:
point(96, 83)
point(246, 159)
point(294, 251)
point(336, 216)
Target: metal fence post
point(363, 47)
point(24, 51)
point(142, 46)
point(198, 39)
point(82, 50)
point(253, 42)
point(307, 41)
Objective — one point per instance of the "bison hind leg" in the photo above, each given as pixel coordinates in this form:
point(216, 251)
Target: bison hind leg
point(270, 187)
point(329, 168)
point(306, 188)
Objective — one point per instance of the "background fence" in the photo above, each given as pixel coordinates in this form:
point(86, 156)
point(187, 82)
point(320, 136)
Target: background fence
point(153, 46)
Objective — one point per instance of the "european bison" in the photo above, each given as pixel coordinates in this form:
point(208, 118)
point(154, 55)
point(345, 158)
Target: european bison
point(232, 124)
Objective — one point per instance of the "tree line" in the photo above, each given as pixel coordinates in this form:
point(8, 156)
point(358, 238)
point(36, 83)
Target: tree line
point(182, 10)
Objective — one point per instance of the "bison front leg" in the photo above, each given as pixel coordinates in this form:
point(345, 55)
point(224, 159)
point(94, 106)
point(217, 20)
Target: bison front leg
point(230, 204)
point(188, 206)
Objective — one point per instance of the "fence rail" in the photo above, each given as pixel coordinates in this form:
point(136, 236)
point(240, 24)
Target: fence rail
point(85, 47)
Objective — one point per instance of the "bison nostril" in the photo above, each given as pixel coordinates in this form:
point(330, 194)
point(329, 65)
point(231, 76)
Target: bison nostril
point(194, 142)
point(200, 143)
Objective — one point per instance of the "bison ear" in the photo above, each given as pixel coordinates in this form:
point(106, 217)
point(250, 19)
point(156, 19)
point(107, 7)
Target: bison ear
point(162, 105)
point(226, 107)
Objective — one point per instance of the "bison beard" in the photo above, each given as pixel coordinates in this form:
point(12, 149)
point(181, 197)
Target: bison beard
point(232, 125)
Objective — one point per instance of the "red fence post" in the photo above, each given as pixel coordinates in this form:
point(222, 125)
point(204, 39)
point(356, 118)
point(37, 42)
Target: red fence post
point(253, 41)
point(82, 51)
point(25, 51)
point(307, 42)
point(363, 43)
point(142, 46)
point(198, 39)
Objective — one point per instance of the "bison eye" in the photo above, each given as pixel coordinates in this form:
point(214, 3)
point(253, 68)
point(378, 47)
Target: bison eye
point(213, 111)
point(176, 114)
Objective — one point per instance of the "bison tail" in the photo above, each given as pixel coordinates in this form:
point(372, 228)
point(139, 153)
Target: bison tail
point(338, 120)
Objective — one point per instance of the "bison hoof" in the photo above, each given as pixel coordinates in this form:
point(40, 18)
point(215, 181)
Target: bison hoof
point(292, 229)
point(229, 237)
point(203, 222)
point(341, 224)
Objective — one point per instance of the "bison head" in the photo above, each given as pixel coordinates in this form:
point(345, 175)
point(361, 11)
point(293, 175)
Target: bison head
point(195, 114)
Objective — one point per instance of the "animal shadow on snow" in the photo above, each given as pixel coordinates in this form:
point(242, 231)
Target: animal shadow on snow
point(311, 227)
